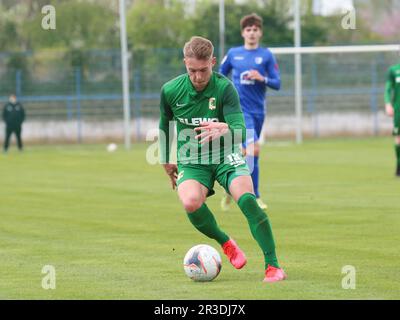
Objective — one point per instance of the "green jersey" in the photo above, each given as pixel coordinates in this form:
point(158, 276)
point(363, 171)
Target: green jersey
point(218, 102)
point(392, 89)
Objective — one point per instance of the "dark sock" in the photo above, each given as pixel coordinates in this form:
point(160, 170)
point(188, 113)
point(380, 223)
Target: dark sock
point(204, 221)
point(397, 150)
point(260, 227)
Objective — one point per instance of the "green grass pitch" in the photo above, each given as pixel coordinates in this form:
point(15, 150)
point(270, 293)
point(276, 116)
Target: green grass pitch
point(113, 229)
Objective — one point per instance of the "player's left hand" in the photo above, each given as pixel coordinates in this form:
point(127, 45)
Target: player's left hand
point(211, 131)
point(255, 75)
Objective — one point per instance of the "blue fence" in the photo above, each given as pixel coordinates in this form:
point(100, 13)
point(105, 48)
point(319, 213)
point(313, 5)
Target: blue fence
point(331, 83)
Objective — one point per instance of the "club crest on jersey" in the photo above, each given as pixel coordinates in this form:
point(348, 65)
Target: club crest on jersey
point(212, 103)
point(258, 60)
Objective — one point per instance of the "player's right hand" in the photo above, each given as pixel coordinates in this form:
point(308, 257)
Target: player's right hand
point(389, 109)
point(172, 172)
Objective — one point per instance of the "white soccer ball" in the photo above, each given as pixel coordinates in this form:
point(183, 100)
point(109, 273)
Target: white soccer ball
point(111, 147)
point(202, 263)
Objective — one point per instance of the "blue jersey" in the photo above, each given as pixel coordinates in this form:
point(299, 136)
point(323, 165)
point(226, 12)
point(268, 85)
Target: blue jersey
point(240, 61)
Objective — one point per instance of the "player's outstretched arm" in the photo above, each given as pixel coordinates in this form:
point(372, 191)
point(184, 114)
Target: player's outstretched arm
point(165, 136)
point(4, 116)
point(22, 113)
point(226, 66)
point(165, 140)
point(273, 79)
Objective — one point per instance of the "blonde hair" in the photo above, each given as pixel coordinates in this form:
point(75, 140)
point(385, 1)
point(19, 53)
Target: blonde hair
point(199, 48)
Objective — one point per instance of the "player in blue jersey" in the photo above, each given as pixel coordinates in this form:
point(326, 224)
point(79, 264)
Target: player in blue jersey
point(253, 69)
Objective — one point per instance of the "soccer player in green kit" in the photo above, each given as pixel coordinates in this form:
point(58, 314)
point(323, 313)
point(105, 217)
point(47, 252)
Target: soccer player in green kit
point(392, 106)
point(206, 108)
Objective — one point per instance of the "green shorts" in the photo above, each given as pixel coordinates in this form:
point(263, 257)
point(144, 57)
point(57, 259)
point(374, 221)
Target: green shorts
point(207, 174)
point(396, 123)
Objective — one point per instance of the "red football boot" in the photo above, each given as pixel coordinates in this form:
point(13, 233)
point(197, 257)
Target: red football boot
point(273, 274)
point(234, 254)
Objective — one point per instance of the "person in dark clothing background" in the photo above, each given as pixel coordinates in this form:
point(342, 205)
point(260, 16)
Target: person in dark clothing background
point(13, 116)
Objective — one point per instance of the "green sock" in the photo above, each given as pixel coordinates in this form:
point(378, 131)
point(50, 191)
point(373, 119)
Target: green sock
point(397, 147)
point(260, 227)
point(204, 221)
